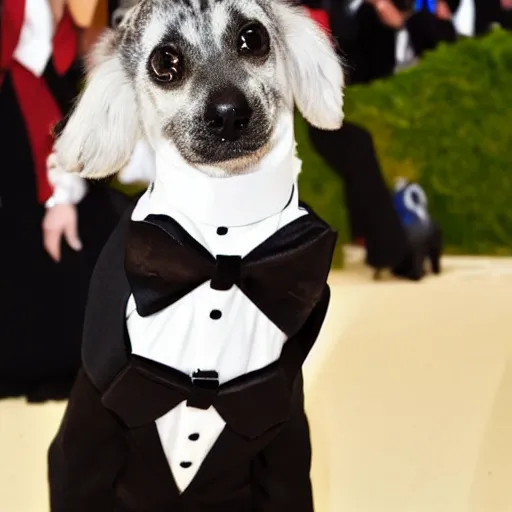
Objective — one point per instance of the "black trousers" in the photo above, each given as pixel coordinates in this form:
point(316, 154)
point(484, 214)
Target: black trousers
point(351, 153)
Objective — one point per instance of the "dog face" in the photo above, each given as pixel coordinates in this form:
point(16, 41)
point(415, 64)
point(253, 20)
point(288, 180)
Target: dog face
point(212, 77)
point(206, 77)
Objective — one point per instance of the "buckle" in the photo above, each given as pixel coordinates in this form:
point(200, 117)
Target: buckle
point(206, 379)
point(205, 386)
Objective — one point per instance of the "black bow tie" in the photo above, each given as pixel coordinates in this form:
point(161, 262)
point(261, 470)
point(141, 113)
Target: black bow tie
point(251, 404)
point(284, 276)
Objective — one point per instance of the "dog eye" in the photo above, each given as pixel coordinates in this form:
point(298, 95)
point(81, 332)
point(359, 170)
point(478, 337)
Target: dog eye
point(166, 64)
point(253, 41)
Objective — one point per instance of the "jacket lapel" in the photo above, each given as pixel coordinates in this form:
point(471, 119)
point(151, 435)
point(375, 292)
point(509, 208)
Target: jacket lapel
point(230, 450)
point(147, 481)
point(104, 354)
point(155, 484)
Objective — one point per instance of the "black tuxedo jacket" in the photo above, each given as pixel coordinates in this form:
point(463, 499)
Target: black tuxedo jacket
point(107, 455)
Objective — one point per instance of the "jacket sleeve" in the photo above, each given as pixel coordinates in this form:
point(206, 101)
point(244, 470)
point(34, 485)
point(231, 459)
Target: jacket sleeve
point(281, 472)
point(86, 455)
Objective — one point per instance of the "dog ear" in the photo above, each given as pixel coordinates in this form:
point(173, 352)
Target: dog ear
point(102, 131)
point(315, 73)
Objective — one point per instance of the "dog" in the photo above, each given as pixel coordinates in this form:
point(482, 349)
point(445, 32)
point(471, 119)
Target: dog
point(120, 12)
point(174, 408)
point(170, 62)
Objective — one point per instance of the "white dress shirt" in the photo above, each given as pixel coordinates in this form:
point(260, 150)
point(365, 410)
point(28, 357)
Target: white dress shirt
point(210, 329)
point(464, 18)
point(354, 5)
point(141, 166)
point(69, 188)
point(35, 44)
point(34, 51)
point(404, 52)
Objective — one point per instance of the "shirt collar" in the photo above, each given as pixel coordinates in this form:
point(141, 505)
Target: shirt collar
point(226, 201)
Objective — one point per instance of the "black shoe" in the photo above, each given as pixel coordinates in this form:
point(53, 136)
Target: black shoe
point(411, 268)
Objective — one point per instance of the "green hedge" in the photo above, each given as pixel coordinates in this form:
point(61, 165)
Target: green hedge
point(447, 123)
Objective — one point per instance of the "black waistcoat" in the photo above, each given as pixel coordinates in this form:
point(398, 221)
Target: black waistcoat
point(261, 460)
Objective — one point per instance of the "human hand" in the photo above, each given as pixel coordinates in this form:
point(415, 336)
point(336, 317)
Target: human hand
point(389, 14)
point(506, 4)
point(60, 220)
point(443, 11)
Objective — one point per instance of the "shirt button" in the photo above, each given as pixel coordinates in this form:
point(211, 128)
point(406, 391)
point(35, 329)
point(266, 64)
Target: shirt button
point(185, 464)
point(215, 314)
point(193, 437)
point(222, 231)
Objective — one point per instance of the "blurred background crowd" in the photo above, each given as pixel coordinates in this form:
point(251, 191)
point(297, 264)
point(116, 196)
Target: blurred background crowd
point(414, 69)
point(377, 39)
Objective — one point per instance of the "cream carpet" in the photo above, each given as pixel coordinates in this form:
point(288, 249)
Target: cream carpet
point(409, 394)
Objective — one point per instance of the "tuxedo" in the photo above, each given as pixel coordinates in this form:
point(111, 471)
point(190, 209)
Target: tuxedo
point(180, 405)
point(488, 12)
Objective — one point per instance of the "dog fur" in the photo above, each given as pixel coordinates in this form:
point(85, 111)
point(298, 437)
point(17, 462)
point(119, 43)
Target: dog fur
point(121, 104)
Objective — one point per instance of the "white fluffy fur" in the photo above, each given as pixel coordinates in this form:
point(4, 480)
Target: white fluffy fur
point(313, 68)
point(107, 122)
point(101, 134)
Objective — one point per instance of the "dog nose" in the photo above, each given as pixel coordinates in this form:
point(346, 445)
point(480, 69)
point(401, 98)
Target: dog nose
point(228, 113)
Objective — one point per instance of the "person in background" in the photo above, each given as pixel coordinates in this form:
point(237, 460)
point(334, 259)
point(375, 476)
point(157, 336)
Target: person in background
point(492, 12)
point(351, 153)
point(391, 34)
point(504, 17)
point(476, 17)
point(44, 273)
point(60, 223)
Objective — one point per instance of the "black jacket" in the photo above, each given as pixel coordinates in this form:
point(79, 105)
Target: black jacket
point(107, 455)
point(368, 46)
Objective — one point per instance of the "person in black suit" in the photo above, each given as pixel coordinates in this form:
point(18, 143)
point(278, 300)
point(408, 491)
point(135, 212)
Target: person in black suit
point(351, 153)
point(488, 12)
point(388, 34)
point(505, 14)
point(476, 17)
